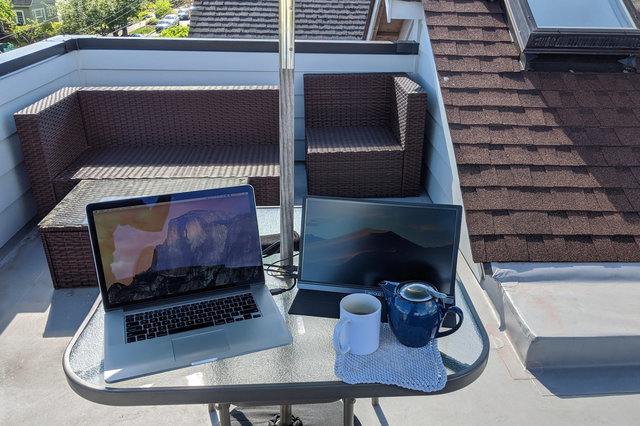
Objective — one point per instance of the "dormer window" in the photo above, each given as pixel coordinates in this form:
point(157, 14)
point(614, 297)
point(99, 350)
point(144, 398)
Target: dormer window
point(604, 27)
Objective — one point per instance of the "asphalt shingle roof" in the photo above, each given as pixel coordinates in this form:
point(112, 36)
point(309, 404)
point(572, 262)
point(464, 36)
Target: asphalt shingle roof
point(314, 19)
point(549, 162)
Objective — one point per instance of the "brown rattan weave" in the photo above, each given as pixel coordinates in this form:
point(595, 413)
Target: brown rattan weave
point(64, 231)
point(364, 134)
point(147, 132)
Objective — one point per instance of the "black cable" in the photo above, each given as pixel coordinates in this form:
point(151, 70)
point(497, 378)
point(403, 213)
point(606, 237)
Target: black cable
point(271, 249)
point(282, 272)
point(277, 291)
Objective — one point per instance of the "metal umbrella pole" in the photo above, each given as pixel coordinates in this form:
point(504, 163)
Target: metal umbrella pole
point(287, 51)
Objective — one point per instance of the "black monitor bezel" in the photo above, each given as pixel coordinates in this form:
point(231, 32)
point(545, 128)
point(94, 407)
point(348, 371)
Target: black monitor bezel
point(350, 288)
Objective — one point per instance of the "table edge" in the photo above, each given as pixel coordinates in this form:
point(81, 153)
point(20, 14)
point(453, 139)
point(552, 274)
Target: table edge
point(274, 394)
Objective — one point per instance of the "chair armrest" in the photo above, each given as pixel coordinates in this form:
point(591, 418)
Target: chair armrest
point(347, 100)
point(408, 121)
point(52, 135)
point(408, 116)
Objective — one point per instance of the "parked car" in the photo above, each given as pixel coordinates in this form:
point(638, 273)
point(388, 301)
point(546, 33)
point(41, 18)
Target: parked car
point(183, 14)
point(163, 25)
point(5, 47)
point(167, 22)
point(173, 18)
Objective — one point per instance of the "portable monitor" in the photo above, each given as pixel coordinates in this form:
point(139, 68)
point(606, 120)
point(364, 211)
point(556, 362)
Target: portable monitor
point(349, 246)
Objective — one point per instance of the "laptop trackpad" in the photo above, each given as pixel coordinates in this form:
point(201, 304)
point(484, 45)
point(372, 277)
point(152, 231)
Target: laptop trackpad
point(200, 347)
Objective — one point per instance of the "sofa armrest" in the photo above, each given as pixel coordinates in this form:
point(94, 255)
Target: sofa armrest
point(408, 121)
point(52, 135)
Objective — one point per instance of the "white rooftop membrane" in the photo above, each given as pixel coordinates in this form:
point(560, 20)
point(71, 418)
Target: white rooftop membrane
point(569, 315)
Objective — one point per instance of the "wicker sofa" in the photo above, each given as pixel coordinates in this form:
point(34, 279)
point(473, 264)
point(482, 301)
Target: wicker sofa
point(364, 134)
point(82, 133)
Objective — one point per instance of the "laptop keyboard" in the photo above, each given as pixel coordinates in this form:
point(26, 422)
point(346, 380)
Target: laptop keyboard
point(192, 316)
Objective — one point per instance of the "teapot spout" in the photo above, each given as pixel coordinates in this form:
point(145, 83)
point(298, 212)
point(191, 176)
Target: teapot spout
point(388, 289)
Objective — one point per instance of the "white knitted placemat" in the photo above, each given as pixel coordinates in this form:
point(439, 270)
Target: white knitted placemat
point(395, 364)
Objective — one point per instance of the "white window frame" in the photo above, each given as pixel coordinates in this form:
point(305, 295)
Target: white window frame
point(617, 7)
point(51, 11)
point(41, 12)
point(533, 39)
point(20, 13)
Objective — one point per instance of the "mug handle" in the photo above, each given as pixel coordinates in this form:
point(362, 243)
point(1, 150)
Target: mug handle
point(337, 334)
point(455, 328)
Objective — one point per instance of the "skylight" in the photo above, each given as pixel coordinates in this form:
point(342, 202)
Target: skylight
point(586, 27)
point(604, 14)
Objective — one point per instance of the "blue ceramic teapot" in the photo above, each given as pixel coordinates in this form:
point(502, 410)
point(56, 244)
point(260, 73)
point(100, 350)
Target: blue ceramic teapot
point(416, 311)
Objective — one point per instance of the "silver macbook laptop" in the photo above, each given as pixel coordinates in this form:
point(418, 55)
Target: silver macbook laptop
point(181, 280)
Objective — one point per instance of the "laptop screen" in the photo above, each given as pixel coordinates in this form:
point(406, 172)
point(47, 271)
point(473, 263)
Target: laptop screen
point(156, 247)
point(355, 244)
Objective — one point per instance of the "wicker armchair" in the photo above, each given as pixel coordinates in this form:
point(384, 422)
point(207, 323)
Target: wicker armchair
point(364, 134)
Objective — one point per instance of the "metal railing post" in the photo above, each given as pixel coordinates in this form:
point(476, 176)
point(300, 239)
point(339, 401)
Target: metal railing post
point(287, 139)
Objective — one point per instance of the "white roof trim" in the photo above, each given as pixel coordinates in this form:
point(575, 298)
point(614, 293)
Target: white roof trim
point(566, 272)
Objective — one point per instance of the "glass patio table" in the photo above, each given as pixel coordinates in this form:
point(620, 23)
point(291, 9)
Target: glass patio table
point(300, 373)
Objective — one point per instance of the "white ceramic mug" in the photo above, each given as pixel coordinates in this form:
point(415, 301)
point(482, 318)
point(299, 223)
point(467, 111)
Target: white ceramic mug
point(358, 330)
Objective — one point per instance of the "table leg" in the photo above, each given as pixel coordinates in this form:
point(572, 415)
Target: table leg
point(223, 413)
point(285, 415)
point(375, 402)
point(347, 418)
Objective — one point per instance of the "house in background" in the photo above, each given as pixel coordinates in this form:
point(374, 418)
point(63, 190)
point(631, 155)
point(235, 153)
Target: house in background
point(388, 20)
point(35, 10)
point(314, 19)
point(392, 20)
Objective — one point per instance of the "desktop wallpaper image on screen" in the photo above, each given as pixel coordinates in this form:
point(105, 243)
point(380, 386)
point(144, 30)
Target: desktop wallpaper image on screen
point(363, 244)
point(178, 247)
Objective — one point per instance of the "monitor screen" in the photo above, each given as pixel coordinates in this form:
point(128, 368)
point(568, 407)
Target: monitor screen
point(355, 244)
point(156, 247)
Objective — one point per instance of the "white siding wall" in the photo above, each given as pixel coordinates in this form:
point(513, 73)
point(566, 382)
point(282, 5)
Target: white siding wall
point(100, 67)
point(442, 182)
point(18, 90)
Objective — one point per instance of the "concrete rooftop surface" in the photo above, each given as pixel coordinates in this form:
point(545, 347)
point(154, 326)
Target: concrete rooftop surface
point(37, 322)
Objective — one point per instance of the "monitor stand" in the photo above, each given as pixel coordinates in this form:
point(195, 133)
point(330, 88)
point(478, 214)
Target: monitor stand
point(324, 304)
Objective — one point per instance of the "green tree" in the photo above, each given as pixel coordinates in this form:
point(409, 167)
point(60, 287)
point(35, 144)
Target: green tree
point(161, 8)
point(34, 31)
point(176, 31)
point(146, 11)
point(7, 18)
point(96, 16)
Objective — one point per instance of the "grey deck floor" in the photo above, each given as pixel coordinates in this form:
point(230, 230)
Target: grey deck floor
point(36, 323)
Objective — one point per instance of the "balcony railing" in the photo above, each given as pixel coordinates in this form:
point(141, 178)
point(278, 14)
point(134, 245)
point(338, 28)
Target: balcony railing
point(31, 73)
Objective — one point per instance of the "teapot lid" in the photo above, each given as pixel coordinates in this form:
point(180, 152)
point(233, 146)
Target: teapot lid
point(419, 291)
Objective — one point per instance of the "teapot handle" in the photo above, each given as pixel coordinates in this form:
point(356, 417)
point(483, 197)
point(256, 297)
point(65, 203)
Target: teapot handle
point(455, 328)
